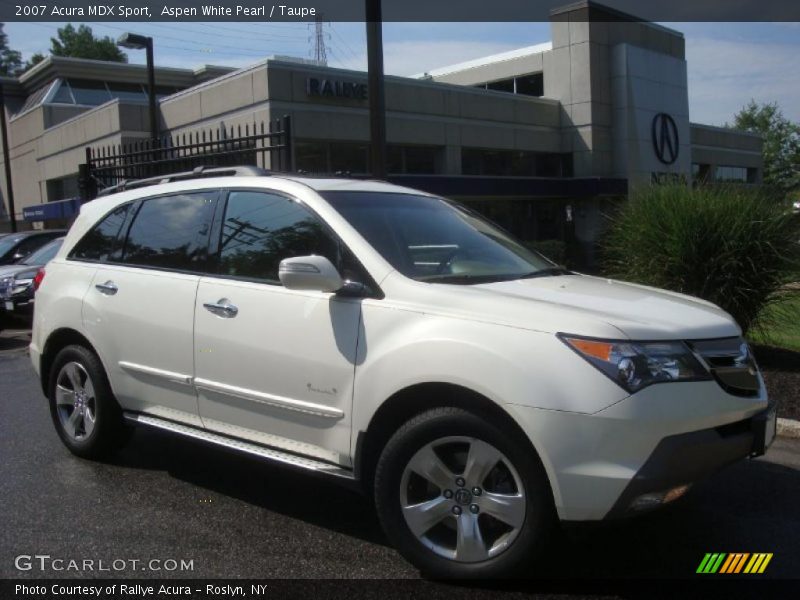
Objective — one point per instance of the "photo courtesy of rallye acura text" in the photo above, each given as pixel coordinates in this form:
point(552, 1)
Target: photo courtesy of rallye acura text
point(396, 341)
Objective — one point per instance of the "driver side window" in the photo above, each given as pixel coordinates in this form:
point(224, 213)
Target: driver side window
point(260, 229)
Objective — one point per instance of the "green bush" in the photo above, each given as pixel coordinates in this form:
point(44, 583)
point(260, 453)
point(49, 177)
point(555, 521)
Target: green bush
point(729, 245)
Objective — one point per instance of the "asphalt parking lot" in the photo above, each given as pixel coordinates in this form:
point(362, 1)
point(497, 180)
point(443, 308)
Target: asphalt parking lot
point(168, 498)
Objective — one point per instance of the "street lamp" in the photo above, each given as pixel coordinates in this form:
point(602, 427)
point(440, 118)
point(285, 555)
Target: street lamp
point(135, 41)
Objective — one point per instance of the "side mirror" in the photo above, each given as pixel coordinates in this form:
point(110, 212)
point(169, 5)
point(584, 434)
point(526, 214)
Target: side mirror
point(315, 273)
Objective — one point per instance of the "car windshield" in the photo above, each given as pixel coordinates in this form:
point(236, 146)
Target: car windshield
point(8, 242)
point(433, 240)
point(44, 254)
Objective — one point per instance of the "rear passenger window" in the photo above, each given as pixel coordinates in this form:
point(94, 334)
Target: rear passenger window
point(261, 229)
point(99, 243)
point(171, 232)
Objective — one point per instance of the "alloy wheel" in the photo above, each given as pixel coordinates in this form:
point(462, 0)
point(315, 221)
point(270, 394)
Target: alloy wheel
point(463, 499)
point(75, 401)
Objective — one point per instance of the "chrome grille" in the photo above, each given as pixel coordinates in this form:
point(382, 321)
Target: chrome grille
point(731, 363)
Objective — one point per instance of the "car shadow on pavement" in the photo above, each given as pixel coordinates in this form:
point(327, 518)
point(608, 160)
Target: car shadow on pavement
point(748, 507)
point(305, 496)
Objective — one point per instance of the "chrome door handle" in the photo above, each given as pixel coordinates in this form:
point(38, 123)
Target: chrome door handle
point(222, 308)
point(109, 288)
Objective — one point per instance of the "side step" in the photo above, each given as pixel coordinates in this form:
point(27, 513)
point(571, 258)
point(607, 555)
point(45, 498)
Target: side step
point(264, 452)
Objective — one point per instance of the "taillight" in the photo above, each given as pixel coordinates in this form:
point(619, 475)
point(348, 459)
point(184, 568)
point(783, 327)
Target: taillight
point(38, 278)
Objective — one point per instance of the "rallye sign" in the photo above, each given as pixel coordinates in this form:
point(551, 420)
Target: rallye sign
point(335, 88)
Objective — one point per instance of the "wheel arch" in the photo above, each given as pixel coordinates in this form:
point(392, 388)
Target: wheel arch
point(56, 341)
point(415, 399)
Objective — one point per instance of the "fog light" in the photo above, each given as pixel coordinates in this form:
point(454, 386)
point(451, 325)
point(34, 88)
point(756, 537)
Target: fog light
point(656, 499)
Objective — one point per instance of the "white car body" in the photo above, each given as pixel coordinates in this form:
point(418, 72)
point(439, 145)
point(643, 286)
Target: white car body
point(324, 364)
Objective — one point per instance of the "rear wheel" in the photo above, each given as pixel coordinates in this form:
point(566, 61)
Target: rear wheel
point(460, 498)
point(84, 411)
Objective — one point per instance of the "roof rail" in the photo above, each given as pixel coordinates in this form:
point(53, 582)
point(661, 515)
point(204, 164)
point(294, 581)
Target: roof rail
point(196, 173)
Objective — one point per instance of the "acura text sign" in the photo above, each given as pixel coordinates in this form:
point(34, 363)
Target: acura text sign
point(335, 88)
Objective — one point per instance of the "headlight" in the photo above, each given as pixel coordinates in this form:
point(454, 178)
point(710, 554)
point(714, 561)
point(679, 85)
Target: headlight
point(635, 365)
point(20, 285)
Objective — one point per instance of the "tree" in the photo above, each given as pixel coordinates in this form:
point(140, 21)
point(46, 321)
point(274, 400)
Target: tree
point(10, 60)
point(34, 60)
point(81, 43)
point(781, 143)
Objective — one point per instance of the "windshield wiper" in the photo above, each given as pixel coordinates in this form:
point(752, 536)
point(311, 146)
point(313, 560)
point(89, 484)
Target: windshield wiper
point(548, 272)
point(463, 279)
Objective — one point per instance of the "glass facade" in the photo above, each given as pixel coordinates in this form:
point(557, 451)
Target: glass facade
point(515, 163)
point(316, 156)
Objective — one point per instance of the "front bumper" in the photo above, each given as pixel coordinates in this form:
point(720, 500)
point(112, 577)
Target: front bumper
point(674, 433)
point(680, 460)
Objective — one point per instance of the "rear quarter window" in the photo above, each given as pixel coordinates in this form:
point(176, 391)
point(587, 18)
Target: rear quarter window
point(100, 242)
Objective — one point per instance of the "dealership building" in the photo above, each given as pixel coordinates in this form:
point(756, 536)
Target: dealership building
point(541, 139)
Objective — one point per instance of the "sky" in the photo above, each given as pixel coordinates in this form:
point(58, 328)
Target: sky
point(728, 63)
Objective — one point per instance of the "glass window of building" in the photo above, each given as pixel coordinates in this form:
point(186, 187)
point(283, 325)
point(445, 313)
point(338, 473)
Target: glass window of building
point(89, 92)
point(731, 174)
point(413, 160)
point(531, 85)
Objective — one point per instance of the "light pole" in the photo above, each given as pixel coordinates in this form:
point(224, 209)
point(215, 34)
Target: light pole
point(7, 160)
point(134, 41)
point(377, 105)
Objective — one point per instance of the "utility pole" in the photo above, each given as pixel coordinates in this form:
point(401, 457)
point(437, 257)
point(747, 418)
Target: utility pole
point(377, 103)
point(7, 161)
point(320, 50)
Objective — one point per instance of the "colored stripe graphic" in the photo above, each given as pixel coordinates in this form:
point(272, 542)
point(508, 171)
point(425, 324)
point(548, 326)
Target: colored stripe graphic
point(735, 562)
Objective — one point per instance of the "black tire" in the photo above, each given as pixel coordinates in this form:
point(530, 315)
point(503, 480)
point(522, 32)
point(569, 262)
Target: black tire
point(108, 432)
point(430, 427)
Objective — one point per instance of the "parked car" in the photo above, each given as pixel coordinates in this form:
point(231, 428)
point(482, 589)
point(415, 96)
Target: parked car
point(17, 281)
point(14, 247)
point(396, 341)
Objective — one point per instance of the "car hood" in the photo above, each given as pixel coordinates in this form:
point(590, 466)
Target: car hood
point(638, 311)
point(582, 305)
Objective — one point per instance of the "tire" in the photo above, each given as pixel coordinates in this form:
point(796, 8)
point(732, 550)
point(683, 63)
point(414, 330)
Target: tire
point(90, 423)
point(503, 525)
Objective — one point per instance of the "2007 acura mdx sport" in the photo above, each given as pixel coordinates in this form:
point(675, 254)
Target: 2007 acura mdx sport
point(393, 338)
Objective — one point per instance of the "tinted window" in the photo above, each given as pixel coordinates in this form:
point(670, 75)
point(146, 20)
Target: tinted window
point(99, 243)
point(44, 254)
point(31, 244)
point(171, 232)
point(8, 243)
point(260, 230)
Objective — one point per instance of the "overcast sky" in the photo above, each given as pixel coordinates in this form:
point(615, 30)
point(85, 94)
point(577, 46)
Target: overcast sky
point(728, 63)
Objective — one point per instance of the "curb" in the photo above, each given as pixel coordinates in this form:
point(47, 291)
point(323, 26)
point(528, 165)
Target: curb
point(789, 428)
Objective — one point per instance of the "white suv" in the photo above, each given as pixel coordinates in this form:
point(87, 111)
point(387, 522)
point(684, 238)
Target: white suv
point(395, 340)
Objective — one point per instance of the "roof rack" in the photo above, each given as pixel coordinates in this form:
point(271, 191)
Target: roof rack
point(196, 173)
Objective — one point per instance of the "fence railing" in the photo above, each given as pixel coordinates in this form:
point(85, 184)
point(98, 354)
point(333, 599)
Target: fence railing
point(267, 145)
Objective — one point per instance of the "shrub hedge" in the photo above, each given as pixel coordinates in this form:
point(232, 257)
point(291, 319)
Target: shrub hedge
point(730, 245)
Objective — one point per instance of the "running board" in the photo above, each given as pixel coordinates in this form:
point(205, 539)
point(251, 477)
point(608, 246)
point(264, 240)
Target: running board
point(272, 454)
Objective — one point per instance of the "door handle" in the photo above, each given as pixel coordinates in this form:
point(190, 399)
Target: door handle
point(222, 308)
point(109, 288)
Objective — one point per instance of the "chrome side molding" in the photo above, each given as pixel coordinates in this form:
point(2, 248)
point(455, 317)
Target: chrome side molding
point(153, 372)
point(271, 454)
point(310, 408)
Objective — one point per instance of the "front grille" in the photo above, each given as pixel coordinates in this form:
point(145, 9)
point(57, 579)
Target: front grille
point(731, 363)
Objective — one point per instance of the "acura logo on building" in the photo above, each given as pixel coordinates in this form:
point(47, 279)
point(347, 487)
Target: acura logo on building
point(665, 138)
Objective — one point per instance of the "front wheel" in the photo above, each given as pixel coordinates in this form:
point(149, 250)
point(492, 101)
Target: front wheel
point(460, 498)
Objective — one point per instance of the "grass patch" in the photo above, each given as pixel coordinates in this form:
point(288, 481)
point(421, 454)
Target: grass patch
point(779, 326)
